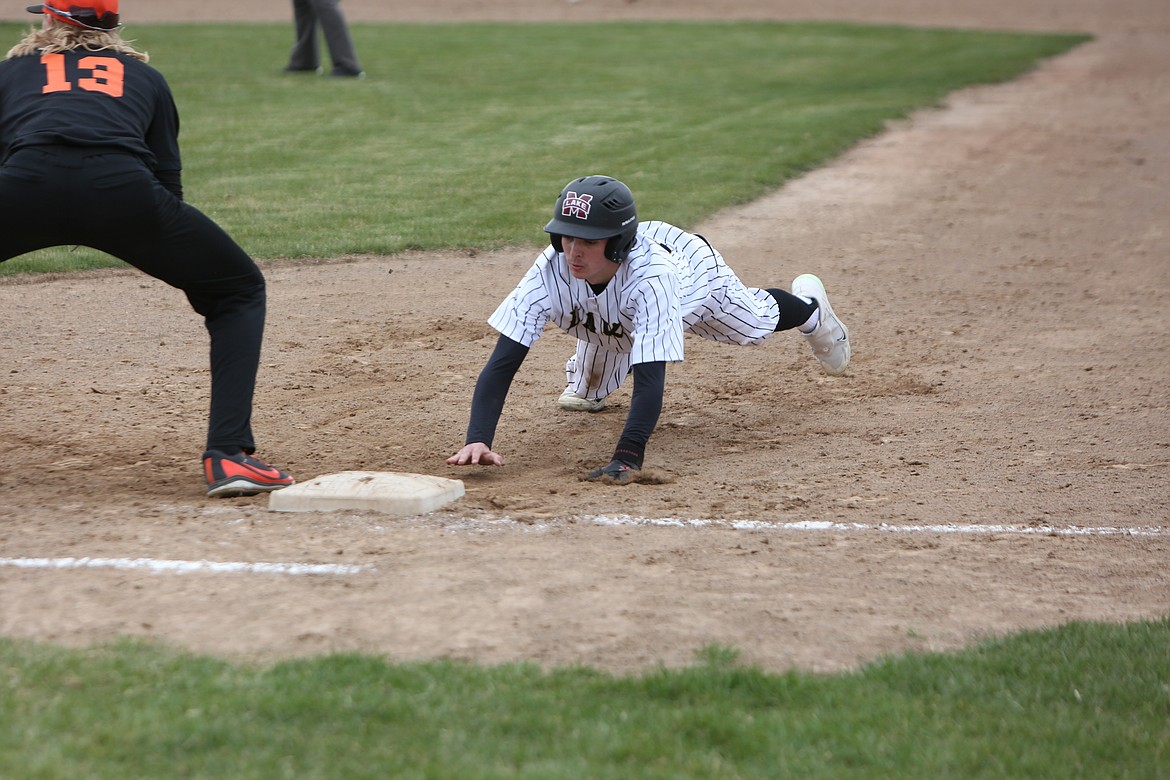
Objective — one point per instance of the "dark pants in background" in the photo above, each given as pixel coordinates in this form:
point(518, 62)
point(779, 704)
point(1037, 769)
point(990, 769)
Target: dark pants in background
point(308, 15)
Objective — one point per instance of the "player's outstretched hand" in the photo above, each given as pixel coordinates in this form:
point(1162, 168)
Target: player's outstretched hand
point(615, 471)
point(475, 454)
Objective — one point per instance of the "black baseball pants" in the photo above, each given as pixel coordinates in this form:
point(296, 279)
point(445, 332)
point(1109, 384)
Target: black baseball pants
point(109, 200)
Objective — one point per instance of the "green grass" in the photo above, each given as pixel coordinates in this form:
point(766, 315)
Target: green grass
point(1080, 701)
point(463, 134)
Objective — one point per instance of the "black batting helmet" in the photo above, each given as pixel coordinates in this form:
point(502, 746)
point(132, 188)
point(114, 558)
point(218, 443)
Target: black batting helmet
point(595, 207)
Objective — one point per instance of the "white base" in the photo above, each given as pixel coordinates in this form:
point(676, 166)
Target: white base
point(390, 492)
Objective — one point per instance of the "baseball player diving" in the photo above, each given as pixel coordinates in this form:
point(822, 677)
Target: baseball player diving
point(89, 155)
point(628, 291)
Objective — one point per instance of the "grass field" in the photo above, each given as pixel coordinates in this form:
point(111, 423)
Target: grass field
point(1079, 701)
point(469, 148)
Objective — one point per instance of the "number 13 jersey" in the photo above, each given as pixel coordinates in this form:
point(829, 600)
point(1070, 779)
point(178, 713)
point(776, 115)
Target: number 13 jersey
point(98, 99)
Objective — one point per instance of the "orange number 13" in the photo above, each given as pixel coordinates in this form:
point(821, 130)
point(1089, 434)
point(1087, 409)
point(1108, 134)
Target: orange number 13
point(105, 74)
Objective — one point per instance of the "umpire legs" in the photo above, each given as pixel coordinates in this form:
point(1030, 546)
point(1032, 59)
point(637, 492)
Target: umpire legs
point(305, 55)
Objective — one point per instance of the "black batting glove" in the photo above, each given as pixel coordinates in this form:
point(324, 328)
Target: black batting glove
point(616, 470)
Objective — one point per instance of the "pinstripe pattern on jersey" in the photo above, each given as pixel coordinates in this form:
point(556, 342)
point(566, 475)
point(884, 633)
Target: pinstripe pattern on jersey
point(638, 305)
point(673, 282)
point(597, 372)
point(715, 304)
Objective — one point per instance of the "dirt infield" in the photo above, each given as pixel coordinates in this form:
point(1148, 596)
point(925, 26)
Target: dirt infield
point(1004, 267)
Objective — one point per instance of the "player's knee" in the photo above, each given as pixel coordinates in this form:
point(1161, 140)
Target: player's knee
point(214, 296)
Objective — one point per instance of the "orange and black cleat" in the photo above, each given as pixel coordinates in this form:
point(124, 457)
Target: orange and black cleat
point(240, 475)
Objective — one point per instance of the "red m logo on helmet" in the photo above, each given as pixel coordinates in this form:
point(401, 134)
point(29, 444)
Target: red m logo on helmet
point(576, 205)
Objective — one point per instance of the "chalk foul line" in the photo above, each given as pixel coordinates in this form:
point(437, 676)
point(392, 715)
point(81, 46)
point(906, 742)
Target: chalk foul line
point(180, 567)
point(186, 567)
point(930, 528)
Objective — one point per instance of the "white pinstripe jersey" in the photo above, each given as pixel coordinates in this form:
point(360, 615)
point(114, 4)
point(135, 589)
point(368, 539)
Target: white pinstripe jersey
point(672, 282)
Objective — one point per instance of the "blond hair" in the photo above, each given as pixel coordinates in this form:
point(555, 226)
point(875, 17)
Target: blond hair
point(66, 37)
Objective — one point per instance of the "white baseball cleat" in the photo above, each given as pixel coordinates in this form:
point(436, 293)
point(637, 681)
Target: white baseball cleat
point(830, 339)
point(575, 403)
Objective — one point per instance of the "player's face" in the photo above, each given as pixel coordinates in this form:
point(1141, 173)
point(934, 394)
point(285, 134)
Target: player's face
point(587, 260)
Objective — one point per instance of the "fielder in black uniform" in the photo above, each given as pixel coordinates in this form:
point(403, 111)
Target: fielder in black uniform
point(89, 156)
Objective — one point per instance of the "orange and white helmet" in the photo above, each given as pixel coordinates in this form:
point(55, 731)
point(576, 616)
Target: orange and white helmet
point(88, 14)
